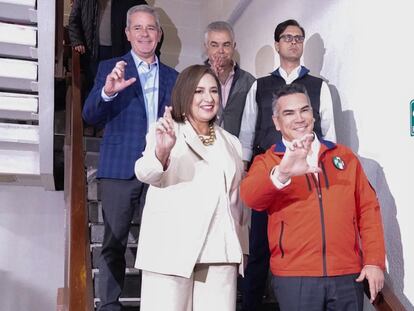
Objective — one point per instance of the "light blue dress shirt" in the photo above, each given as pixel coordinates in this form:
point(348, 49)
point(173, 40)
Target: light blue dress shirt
point(149, 79)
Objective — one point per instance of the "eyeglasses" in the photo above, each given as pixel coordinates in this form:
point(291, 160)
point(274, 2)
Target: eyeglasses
point(290, 38)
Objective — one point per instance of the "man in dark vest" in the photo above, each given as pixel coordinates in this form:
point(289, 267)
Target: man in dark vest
point(234, 82)
point(258, 134)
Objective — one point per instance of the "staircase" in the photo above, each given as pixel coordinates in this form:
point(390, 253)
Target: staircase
point(130, 297)
point(132, 288)
point(27, 58)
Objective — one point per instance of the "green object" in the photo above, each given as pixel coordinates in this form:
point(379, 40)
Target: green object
point(339, 163)
point(412, 117)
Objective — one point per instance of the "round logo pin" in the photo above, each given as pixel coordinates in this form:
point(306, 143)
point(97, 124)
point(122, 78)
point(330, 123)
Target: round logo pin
point(339, 164)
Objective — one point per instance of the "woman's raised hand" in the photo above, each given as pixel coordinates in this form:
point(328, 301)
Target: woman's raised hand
point(165, 136)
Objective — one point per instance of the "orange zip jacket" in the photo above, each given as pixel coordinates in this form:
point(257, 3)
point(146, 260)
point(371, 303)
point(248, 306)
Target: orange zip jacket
point(325, 226)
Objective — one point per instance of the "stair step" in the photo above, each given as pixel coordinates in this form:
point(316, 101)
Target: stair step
point(18, 106)
point(97, 230)
point(92, 159)
point(94, 191)
point(20, 11)
point(91, 144)
point(132, 284)
point(19, 136)
point(95, 212)
point(126, 302)
point(18, 41)
point(20, 162)
point(20, 75)
point(130, 255)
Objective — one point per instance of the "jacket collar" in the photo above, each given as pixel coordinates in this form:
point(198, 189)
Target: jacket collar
point(195, 144)
point(132, 72)
point(280, 147)
point(193, 141)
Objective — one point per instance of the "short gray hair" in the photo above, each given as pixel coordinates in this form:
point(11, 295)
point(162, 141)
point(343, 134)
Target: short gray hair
point(146, 9)
point(219, 26)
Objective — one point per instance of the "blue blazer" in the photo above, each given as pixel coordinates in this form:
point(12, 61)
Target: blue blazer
point(124, 118)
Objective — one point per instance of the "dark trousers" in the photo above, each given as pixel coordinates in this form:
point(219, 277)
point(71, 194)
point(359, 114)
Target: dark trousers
point(336, 293)
point(120, 199)
point(257, 269)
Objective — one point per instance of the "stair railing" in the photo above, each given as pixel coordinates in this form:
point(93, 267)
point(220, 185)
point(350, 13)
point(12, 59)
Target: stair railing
point(386, 300)
point(78, 279)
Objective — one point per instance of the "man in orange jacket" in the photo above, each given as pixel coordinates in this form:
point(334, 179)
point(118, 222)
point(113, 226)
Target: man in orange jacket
point(325, 230)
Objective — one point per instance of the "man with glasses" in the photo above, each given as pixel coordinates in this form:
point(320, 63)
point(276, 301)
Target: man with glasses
point(234, 82)
point(258, 134)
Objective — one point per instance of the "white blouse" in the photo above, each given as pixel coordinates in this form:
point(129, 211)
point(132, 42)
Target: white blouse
point(221, 243)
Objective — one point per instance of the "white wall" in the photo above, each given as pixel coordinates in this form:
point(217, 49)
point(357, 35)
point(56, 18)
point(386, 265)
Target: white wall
point(183, 22)
point(364, 49)
point(31, 248)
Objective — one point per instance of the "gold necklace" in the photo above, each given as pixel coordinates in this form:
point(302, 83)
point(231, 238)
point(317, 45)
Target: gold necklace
point(209, 140)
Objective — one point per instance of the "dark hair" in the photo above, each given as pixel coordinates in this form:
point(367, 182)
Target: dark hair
point(184, 89)
point(283, 25)
point(288, 89)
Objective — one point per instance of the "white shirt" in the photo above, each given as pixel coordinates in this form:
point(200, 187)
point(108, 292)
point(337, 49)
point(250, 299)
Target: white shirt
point(248, 123)
point(149, 79)
point(221, 243)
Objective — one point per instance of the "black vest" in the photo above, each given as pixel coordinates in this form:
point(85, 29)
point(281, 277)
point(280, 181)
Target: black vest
point(266, 134)
point(232, 114)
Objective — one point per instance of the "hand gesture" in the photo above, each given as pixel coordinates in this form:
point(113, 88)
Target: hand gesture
point(294, 161)
point(165, 136)
point(217, 63)
point(375, 277)
point(115, 81)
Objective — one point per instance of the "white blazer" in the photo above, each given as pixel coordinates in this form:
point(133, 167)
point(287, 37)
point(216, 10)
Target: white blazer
point(181, 201)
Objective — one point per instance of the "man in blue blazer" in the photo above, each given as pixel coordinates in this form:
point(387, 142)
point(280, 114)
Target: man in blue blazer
point(129, 94)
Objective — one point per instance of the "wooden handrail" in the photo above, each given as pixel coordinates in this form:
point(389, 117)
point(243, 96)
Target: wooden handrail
point(78, 271)
point(387, 300)
point(59, 35)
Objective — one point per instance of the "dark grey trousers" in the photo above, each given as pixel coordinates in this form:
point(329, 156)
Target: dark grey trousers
point(120, 199)
point(336, 293)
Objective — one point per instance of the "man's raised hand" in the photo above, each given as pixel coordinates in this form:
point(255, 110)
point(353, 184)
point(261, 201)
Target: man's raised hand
point(294, 161)
point(115, 80)
point(217, 64)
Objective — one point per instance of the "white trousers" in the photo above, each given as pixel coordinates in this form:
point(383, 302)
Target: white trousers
point(210, 287)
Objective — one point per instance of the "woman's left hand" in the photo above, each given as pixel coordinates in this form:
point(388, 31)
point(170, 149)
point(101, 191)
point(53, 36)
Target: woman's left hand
point(165, 136)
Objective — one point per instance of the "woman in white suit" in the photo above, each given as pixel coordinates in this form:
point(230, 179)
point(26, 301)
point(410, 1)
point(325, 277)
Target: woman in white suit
point(194, 228)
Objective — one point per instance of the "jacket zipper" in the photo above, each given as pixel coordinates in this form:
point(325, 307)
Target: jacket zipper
point(319, 192)
point(356, 240)
point(282, 226)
